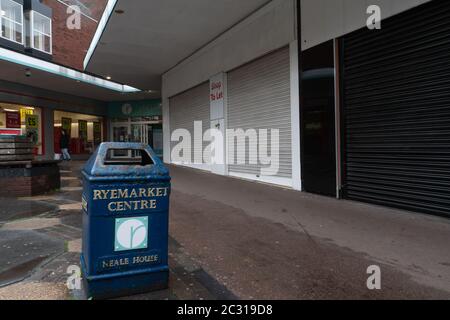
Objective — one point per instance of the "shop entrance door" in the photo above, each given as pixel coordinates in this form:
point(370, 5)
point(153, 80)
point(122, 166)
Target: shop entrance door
point(318, 120)
point(139, 132)
point(120, 133)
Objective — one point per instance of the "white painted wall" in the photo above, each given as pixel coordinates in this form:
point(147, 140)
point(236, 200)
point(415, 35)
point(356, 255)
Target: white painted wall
point(166, 130)
point(268, 29)
point(295, 117)
point(218, 122)
point(323, 20)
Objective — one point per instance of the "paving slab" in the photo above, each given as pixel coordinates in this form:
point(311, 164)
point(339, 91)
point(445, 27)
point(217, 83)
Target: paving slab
point(264, 231)
point(62, 232)
point(257, 259)
point(34, 291)
point(14, 209)
point(233, 239)
point(31, 224)
point(70, 189)
point(73, 218)
point(23, 251)
point(71, 206)
point(75, 246)
point(73, 195)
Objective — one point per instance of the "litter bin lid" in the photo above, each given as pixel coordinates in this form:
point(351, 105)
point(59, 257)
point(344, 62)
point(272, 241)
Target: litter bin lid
point(125, 161)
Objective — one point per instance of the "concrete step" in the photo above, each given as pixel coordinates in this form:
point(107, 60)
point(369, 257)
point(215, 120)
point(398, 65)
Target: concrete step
point(70, 182)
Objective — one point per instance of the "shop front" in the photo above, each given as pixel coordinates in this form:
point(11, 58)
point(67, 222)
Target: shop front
point(139, 121)
point(23, 120)
point(85, 132)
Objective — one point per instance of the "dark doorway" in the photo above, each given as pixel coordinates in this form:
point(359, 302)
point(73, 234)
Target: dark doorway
point(318, 120)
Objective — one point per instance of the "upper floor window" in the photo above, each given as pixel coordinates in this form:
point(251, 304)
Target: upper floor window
point(11, 19)
point(41, 32)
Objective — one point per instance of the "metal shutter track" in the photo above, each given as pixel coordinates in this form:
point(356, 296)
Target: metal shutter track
point(397, 111)
point(190, 106)
point(259, 98)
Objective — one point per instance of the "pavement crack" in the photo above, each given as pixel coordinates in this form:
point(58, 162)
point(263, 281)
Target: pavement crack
point(303, 228)
point(21, 272)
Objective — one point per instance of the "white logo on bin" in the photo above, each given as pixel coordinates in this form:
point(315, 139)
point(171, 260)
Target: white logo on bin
point(131, 234)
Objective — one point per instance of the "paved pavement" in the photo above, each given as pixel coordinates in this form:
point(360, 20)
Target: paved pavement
point(233, 239)
point(268, 242)
point(40, 238)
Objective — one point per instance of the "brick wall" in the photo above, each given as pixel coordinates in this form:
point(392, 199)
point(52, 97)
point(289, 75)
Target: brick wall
point(70, 46)
point(25, 182)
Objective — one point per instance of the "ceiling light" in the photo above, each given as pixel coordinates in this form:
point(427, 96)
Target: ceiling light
point(48, 67)
point(108, 77)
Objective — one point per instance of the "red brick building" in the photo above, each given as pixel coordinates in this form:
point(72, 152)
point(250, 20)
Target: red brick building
point(41, 44)
point(70, 46)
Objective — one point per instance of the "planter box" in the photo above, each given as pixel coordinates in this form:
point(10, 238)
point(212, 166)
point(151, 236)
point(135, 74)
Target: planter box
point(28, 178)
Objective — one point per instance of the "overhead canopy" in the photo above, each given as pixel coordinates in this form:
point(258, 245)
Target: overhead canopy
point(142, 39)
point(23, 69)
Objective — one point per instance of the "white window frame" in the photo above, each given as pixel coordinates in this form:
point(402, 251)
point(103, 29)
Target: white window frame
point(14, 22)
point(33, 31)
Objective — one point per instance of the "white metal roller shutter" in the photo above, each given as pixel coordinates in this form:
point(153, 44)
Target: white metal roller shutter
point(259, 98)
point(188, 107)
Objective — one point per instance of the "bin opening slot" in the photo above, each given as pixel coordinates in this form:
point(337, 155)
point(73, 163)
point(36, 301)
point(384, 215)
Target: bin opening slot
point(128, 157)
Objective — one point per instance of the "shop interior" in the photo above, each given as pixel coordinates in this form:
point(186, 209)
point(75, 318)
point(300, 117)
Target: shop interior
point(85, 132)
point(146, 130)
point(22, 120)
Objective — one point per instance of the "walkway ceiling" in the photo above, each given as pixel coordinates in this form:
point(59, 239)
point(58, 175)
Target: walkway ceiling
point(145, 38)
point(13, 72)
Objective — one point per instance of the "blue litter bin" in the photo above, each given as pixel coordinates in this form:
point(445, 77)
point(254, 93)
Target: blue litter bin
point(126, 190)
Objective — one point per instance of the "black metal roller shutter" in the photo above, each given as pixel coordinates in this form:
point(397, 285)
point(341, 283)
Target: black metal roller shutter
point(396, 106)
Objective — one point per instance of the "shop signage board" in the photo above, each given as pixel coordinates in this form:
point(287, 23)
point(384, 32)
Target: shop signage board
point(136, 109)
point(32, 127)
point(217, 99)
point(97, 133)
point(25, 111)
point(32, 121)
point(217, 96)
point(83, 130)
point(10, 132)
point(13, 120)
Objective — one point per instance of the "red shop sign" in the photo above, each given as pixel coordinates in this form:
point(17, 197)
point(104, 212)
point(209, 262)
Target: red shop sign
point(13, 120)
point(10, 132)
